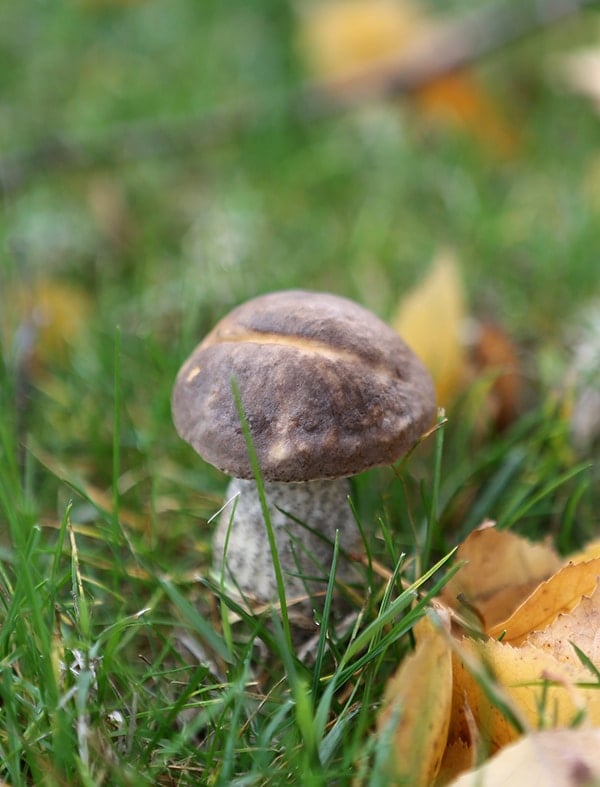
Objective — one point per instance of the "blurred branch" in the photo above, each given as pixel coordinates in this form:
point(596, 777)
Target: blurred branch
point(450, 46)
point(456, 44)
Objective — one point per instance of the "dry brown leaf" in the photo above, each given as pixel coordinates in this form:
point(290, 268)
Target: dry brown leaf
point(561, 758)
point(458, 758)
point(561, 593)
point(431, 319)
point(494, 353)
point(501, 569)
point(416, 706)
point(456, 99)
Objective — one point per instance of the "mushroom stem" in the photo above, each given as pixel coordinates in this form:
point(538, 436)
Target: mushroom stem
point(305, 518)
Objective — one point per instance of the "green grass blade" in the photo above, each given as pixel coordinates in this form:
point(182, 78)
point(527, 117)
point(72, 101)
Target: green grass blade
point(191, 615)
point(256, 472)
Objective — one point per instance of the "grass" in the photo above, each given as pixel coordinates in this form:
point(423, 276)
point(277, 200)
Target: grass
point(115, 668)
point(118, 661)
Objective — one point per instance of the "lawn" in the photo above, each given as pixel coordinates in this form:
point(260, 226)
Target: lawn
point(157, 169)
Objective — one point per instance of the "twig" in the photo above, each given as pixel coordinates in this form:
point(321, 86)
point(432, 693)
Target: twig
point(447, 47)
point(456, 44)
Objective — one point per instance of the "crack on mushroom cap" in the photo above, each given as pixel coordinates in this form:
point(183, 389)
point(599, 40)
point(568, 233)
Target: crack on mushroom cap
point(323, 398)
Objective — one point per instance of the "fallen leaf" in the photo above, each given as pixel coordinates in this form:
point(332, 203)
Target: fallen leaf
point(338, 38)
point(581, 627)
point(561, 758)
point(416, 706)
point(456, 99)
point(431, 319)
point(538, 689)
point(500, 570)
point(458, 757)
point(480, 698)
point(494, 353)
point(561, 593)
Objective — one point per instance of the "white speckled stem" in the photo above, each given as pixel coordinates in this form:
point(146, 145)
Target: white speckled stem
point(305, 557)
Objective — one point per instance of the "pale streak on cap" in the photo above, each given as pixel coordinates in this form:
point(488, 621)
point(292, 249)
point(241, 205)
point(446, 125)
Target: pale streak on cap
point(328, 389)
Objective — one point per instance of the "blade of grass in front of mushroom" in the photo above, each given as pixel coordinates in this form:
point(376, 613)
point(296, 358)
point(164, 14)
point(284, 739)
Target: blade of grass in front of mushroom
point(432, 523)
point(303, 701)
point(225, 622)
point(298, 548)
point(324, 619)
point(265, 511)
point(400, 624)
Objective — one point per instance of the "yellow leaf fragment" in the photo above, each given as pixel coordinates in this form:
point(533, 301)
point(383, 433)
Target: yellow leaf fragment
point(561, 593)
point(501, 569)
point(416, 707)
point(341, 37)
point(431, 319)
point(561, 758)
point(581, 627)
point(474, 716)
point(542, 690)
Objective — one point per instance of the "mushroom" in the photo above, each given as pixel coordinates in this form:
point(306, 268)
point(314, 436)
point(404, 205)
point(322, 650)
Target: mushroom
point(328, 390)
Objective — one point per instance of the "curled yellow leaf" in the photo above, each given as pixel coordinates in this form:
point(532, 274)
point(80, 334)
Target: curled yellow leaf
point(416, 707)
point(500, 570)
point(561, 593)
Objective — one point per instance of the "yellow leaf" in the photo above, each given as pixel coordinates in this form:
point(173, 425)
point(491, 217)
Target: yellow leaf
point(431, 319)
point(561, 758)
point(501, 569)
point(474, 715)
point(416, 707)
point(338, 38)
point(581, 627)
point(542, 690)
point(561, 593)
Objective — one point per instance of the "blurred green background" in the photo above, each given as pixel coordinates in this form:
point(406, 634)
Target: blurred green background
point(153, 159)
point(158, 165)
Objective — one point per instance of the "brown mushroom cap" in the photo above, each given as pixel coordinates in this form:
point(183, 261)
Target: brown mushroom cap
point(327, 388)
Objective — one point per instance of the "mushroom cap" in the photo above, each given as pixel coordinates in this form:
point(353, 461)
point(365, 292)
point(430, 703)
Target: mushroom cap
point(327, 388)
